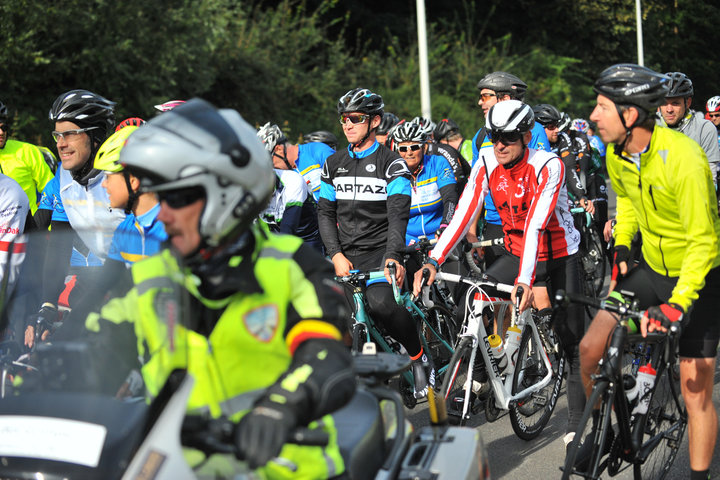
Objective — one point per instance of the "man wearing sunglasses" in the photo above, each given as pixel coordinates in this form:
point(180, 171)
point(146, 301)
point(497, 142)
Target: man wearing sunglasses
point(22, 162)
point(541, 242)
point(363, 214)
point(75, 198)
point(307, 159)
point(676, 113)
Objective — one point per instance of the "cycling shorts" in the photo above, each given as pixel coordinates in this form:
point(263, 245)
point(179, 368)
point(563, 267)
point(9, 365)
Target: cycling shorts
point(701, 330)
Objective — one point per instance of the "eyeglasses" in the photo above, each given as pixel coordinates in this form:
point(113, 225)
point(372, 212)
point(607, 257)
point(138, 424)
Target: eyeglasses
point(67, 135)
point(4, 128)
point(487, 96)
point(181, 197)
point(506, 138)
point(711, 115)
point(354, 119)
point(412, 148)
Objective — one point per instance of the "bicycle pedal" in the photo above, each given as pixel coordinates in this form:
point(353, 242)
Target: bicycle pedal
point(369, 348)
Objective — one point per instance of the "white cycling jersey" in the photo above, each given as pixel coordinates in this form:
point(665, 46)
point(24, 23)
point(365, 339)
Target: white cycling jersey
point(14, 207)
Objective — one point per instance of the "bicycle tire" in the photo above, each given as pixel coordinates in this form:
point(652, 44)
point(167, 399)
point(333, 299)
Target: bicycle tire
point(454, 388)
point(600, 393)
point(443, 322)
point(530, 415)
point(667, 416)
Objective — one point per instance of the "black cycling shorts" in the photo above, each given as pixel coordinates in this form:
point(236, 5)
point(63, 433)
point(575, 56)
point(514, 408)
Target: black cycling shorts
point(701, 331)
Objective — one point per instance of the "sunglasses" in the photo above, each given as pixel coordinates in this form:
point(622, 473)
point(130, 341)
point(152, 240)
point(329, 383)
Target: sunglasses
point(506, 138)
point(487, 96)
point(68, 134)
point(4, 128)
point(354, 119)
point(711, 115)
point(551, 126)
point(410, 148)
point(181, 197)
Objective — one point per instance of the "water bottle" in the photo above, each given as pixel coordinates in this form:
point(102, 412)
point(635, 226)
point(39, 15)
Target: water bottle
point(645, 381)
point(496, 346)
point(512, 344)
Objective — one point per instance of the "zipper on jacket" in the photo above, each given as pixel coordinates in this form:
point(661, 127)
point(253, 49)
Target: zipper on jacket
point(652, 197)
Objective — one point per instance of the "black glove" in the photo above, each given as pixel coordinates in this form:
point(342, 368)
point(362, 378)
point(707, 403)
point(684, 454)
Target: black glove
point(46, 317)
point(620, 254)
point(665, 314)
point(263, 431)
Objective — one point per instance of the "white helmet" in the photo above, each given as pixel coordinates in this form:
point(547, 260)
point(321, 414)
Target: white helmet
point(510, 116)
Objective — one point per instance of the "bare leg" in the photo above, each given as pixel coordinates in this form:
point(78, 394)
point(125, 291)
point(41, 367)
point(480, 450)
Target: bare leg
point(696, 377)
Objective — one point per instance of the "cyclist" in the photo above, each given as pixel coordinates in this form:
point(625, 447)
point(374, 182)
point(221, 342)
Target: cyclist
point(448, 132)
point(434, 196)
point(540, 239)
point(22, 162)
point(460, 166)
point(140, 234)
point(14, 208)
point(363, 214)
point(664, 188)
point(74, 198)
point(712, 108)
point(271, 298)
point(676, 113)
point(389, 120)
point(497, 87)
point(306, 159)
point(328, 138)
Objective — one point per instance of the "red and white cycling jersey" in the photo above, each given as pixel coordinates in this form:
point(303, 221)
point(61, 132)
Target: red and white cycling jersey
point(532, 201)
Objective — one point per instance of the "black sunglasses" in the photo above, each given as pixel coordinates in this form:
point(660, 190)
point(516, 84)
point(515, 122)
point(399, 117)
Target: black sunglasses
point(506, 138)
point(4, 127)
point(412, 148)
point(182, 197)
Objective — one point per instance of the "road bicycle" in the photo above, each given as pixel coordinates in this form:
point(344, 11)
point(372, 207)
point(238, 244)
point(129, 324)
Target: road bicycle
point(529, 390)
point(647, 442)
point(593, 262)
point(436, 327)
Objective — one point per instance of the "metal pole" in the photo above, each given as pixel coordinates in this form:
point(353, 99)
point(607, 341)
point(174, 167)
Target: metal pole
point(424, 66)
point(638, 21)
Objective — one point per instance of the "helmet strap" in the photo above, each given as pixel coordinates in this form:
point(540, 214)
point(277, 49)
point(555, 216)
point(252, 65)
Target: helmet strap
point(369, 131)
point(285, 159)
point(133, 196)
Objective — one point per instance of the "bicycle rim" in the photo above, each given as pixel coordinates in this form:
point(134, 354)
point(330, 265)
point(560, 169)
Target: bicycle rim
point(456, 387)
point(585, 433)
point(666, 420)
point(529, 416)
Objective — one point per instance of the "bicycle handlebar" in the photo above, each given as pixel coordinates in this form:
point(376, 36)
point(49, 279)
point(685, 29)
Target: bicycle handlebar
point(483, 281)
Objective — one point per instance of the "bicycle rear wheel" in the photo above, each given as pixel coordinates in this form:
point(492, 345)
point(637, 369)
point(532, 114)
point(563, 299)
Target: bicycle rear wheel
point(529, 415)
point(459, 394)
point(664, 426)
point(592, 467)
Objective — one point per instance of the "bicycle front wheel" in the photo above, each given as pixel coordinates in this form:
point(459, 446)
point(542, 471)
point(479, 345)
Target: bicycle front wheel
point(590, 466)
point(457, 386)
point(664, 428)
point(529, 415)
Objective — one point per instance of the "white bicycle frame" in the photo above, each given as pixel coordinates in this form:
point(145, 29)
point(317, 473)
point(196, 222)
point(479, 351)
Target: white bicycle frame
point(474, 328)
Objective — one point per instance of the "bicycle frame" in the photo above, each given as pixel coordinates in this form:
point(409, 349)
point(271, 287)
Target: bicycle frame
point(473, 329)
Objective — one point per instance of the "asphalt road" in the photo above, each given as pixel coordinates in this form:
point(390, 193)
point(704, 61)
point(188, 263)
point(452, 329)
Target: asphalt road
point(539, 459)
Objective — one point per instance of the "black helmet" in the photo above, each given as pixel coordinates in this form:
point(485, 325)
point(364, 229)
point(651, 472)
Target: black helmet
point(512, 116)
point(630, 84)
point(322, 136)
point(445, 128)
point(680, 85)
point(361, 100)
point(503, 82)
point(85, 109)
point(3, 112)
point(546, 114)
point(388, 121)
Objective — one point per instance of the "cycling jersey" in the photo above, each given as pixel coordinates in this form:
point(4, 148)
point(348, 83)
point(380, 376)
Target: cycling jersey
point(703, 131)
point(14, 208)
point(433, 198)
point(533, 206)
point(667, 193)
point(539, 141)
point(364, 202)
point(311, 158)
point(138, 237)
point(460, 167)
point(25, 164)
point(566, 150)
point(466, 150)
point(291, 209)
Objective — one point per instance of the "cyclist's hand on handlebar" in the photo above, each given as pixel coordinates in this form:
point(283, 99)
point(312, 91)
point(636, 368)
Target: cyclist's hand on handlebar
point(399, 271)
point(262, 432)
point(478, 252)
point(659, 318)
point(342, 265)
point(608, 229)
point(418, 281)
point(527, 297)
point(621, 255)
point(587, 205)
point(45, 318)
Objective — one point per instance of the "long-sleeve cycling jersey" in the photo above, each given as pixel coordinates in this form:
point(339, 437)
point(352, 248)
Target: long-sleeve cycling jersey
point(311, 158)
point(364, 202)
point(460, 166)
point(433, 197)
point(566, 150)
point(531, 199)
point(14, 208)
point(25, 164)
point(667, 192)
point(703, 131)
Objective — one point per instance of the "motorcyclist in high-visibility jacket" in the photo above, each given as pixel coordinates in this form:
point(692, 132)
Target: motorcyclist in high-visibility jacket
point(263, 342)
